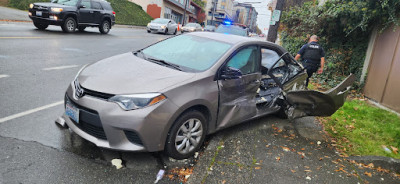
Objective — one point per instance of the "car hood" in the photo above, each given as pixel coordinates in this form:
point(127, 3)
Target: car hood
point(128, 74)
point(52, 5)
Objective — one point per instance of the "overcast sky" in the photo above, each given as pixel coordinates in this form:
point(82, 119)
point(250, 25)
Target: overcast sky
point(263, 13)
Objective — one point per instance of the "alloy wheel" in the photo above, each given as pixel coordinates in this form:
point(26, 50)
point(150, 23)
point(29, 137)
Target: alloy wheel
point(189, 136)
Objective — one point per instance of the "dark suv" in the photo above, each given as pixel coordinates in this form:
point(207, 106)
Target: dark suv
point(72, 14)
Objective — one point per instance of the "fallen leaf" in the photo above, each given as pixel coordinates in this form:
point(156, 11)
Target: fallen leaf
point(356, 108)
point(293, 171)
point(302, 149)
point(321, 159)
point(371, 165)
point(285, 148)
point(257, 168)
point(368, 174)
point(223, 181)
point(307, 170)
point(267, 146)
point(394, 149)
point(278, 158)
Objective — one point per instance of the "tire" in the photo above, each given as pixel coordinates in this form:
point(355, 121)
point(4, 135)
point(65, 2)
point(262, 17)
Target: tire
point(81, 28)
point(177, 147)
point(105, 27)
point(282, 114)
point(148, 31)
point(166, 31)
point(69, 25)
point(40, 26)
point(175, 31)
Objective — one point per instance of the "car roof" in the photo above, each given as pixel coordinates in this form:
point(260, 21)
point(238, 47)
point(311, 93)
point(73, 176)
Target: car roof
point(228, 38)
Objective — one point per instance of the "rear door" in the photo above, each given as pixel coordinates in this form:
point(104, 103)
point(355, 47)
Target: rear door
point(238, 81)
point(97, 12)
point(300, 102)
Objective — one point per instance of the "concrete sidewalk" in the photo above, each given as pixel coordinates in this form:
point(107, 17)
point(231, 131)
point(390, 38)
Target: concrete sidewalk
point(272, 150)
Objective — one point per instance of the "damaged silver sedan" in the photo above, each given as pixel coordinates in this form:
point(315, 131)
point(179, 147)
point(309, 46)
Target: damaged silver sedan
point(172, 94)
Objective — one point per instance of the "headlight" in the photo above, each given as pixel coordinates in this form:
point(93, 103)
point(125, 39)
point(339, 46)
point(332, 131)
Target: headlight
point(137, 101)
point(148, 24)
point(31, 6)
point(163, 27)
point(56, 9)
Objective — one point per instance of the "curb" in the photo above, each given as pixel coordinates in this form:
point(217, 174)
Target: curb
point(379, 161)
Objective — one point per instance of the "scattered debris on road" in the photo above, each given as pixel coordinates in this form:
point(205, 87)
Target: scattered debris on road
point(117, 163)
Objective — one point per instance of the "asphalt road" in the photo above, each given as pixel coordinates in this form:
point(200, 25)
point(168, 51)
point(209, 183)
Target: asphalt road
point(35, 69)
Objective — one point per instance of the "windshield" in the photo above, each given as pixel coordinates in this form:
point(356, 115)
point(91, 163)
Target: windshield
point(232, 30)
point(180, 50)
point(161, 21)
point(66, 2)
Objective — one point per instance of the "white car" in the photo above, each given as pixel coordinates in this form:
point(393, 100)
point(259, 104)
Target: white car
point(160, 25)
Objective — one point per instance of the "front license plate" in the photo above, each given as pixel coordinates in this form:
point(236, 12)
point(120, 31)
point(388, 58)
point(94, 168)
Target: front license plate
point(38, 13)
point(72, 112)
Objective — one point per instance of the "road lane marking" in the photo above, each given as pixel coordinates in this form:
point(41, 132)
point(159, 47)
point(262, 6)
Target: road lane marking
point(60, 67)
point(73, 49)
point(4, 76)
point(2, 120)
point(19, 37)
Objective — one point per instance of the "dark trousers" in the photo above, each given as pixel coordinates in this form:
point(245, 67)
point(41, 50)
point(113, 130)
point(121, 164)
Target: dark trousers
point(311, 69)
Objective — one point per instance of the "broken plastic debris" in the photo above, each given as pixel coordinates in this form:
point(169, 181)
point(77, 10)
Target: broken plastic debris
point(117, 163)
point(386, 149)
point(196, 154)
point(308, 178)
point(319, 142)
point(187, 176)
point(160, 175)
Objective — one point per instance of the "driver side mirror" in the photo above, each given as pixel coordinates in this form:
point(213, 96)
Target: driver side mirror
point(231, 73)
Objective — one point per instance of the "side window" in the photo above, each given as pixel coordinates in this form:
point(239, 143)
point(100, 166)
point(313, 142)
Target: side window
point(96, 5)
point(87, 4)
point(269, 57)
point(246, 60)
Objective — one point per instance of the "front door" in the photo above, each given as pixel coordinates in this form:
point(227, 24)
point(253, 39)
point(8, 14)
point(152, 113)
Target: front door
point(238, 82)
point(301, 102)
point(86, 12)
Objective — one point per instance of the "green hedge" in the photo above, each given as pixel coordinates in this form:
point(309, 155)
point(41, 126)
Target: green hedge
point(126, 12)
point(344, 27)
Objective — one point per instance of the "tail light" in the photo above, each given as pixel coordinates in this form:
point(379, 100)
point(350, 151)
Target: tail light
point(114, 13)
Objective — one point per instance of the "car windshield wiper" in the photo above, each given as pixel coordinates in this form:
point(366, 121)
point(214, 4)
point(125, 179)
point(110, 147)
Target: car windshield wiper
point(177, 67)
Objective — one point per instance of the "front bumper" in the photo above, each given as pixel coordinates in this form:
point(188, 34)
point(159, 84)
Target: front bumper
point(107, 125)
point(48, 21)
point(157, 30)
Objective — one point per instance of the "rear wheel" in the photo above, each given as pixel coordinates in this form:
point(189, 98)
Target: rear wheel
point(175, 32)
point(69, 25)
point(148, 31)
point(81, 28)
point(186, 135)
point(166, 31)
point(105, 27)
point(40, 26)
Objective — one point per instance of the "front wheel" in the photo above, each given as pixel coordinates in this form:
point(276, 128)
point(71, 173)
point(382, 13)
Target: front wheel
point(105, 27)
point(175, 32)
point(40, 26)
point(186, 135)
point(148, 31)
point(166, 31)
point(69, 25)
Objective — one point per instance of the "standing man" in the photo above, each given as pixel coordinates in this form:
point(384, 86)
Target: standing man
point(312, 56)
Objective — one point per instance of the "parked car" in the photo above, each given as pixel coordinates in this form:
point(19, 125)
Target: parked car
point(72, 14)
point(191, 27)
point(209, 28)
point(161, 25)
point(232, 29)
point(163, 98)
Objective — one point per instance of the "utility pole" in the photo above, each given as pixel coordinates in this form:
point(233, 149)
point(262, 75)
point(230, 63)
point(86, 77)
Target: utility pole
point(273, 29)
point(214, 2)
point(184, 14)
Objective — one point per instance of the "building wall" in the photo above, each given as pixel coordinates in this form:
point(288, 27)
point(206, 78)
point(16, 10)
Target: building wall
point(152, 7)
point(224, 7)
